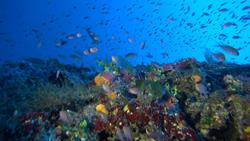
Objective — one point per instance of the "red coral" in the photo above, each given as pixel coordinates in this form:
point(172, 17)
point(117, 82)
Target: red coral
point(98, 125)
point(32, 115)
point(133, 117)
point(190, 133)
point(140, 115)
point(116, 121)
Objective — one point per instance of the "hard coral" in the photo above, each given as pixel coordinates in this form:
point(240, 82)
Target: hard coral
point(112, 95)
point(101, 108)
point(101, 80)
point(196, 78)
point(98, 124)
point(232, 83)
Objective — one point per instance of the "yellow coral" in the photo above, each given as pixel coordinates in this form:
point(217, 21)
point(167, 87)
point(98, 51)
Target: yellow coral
point(115, 111)
point(247, 129)
point(180, 125)
point(196, 78)
point(100, 80)
point(101, 108)
point(112, 95)
point(126, 108)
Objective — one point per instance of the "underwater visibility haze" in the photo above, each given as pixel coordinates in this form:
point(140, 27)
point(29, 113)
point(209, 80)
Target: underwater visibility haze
point(131, 70)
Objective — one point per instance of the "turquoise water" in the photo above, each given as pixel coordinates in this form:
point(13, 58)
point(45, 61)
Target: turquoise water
point(178, 29)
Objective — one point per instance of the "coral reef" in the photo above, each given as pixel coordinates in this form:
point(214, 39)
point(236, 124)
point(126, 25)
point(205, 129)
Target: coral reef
point(187, 100)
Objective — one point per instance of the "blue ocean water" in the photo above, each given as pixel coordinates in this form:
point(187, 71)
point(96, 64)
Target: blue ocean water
point(171, 29)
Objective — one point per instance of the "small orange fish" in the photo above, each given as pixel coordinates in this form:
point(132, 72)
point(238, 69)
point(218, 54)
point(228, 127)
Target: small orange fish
point(229, 24)
point(93, 50)
point(229, 49)
point(219, 56)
